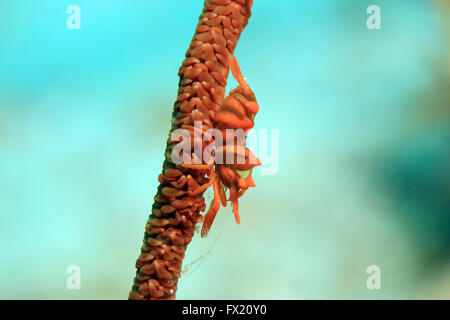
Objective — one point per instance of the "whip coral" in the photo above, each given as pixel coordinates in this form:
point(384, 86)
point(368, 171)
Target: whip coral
point(179, 199)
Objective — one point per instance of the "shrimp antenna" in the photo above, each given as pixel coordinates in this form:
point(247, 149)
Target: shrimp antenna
point(236, 71)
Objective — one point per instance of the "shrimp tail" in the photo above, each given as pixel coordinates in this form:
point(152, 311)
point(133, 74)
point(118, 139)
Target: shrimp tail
point(236, 71)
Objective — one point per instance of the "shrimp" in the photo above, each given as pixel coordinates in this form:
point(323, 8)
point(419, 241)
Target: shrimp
point(237, 111)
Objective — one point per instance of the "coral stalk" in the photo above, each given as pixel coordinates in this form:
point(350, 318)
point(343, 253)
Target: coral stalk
point(203, 77)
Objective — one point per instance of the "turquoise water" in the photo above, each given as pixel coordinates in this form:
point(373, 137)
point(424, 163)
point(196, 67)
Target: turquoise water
point(363, 178)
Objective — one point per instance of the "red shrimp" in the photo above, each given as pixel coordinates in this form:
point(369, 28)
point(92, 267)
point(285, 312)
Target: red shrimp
point(237, 111)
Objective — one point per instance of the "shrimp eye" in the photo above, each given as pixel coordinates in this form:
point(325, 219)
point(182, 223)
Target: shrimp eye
point(243, 173)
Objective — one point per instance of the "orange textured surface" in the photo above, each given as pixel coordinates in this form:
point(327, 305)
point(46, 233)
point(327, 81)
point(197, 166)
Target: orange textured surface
point(203, 77)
